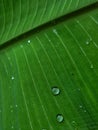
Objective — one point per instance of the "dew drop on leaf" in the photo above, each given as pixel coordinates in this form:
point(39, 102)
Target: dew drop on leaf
point(85, 111)
point(60, 118)
point(21, 46)
point(12, 78)
point(55, 91)
point(92, 66)
point(74, 123)
point(55, 31)
point(87, 42)
point(12, 127)
point(29, 41)
point(81, 106)
point(11, 106)
point(16, 105)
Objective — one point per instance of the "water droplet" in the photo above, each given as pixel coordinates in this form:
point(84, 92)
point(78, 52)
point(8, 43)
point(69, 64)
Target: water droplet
point(11, 106)
point(55, 91)
point(55, 31)
point(87, 42)
point(12, 126)
point(85, 111)
point(16, 105)
point(21, 46)
point(9, 58)
point(79, 89)
point(11, 110)
point(74, 123)
point(81, 106)
point(12, 78)
point(60, 118)
point(92, 66)
point(49, 40)
point(29, 41)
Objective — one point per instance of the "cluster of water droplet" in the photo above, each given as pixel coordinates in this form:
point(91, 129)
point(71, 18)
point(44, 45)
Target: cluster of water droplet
point(56, 91)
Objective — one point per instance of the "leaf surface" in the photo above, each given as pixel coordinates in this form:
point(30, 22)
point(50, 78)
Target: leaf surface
point(61, 55)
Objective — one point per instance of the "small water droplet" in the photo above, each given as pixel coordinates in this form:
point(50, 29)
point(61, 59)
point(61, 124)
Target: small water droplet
point(74, 123)
point(16, 105)
point(55, 91)
point(11, 106)
point(12, 78)
point(85, 111)
point(21, 46)
point(87, 42)
point(60, 118)
point(79, 89)
point(29, 41)
point(12, 126)
point(11, 110)
point(9, 58)
point(81, 106)
point(49, 40)
point(92, 66)
point(55, 31)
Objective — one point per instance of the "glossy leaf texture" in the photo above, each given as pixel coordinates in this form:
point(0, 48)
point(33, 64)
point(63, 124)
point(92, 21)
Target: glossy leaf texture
point(48, 77)
point(17, 17)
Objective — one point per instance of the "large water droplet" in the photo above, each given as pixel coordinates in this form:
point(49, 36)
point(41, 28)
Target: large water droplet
point(60, 118)
point(55, 91)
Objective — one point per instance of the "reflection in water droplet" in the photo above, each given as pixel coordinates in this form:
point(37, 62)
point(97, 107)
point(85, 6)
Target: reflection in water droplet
point(87, 42)
point(55, 91)
point(60, 118)
point(29, 41)
point(12, 78)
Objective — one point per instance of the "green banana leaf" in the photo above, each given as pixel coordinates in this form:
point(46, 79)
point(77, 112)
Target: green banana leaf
point(49, 65)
